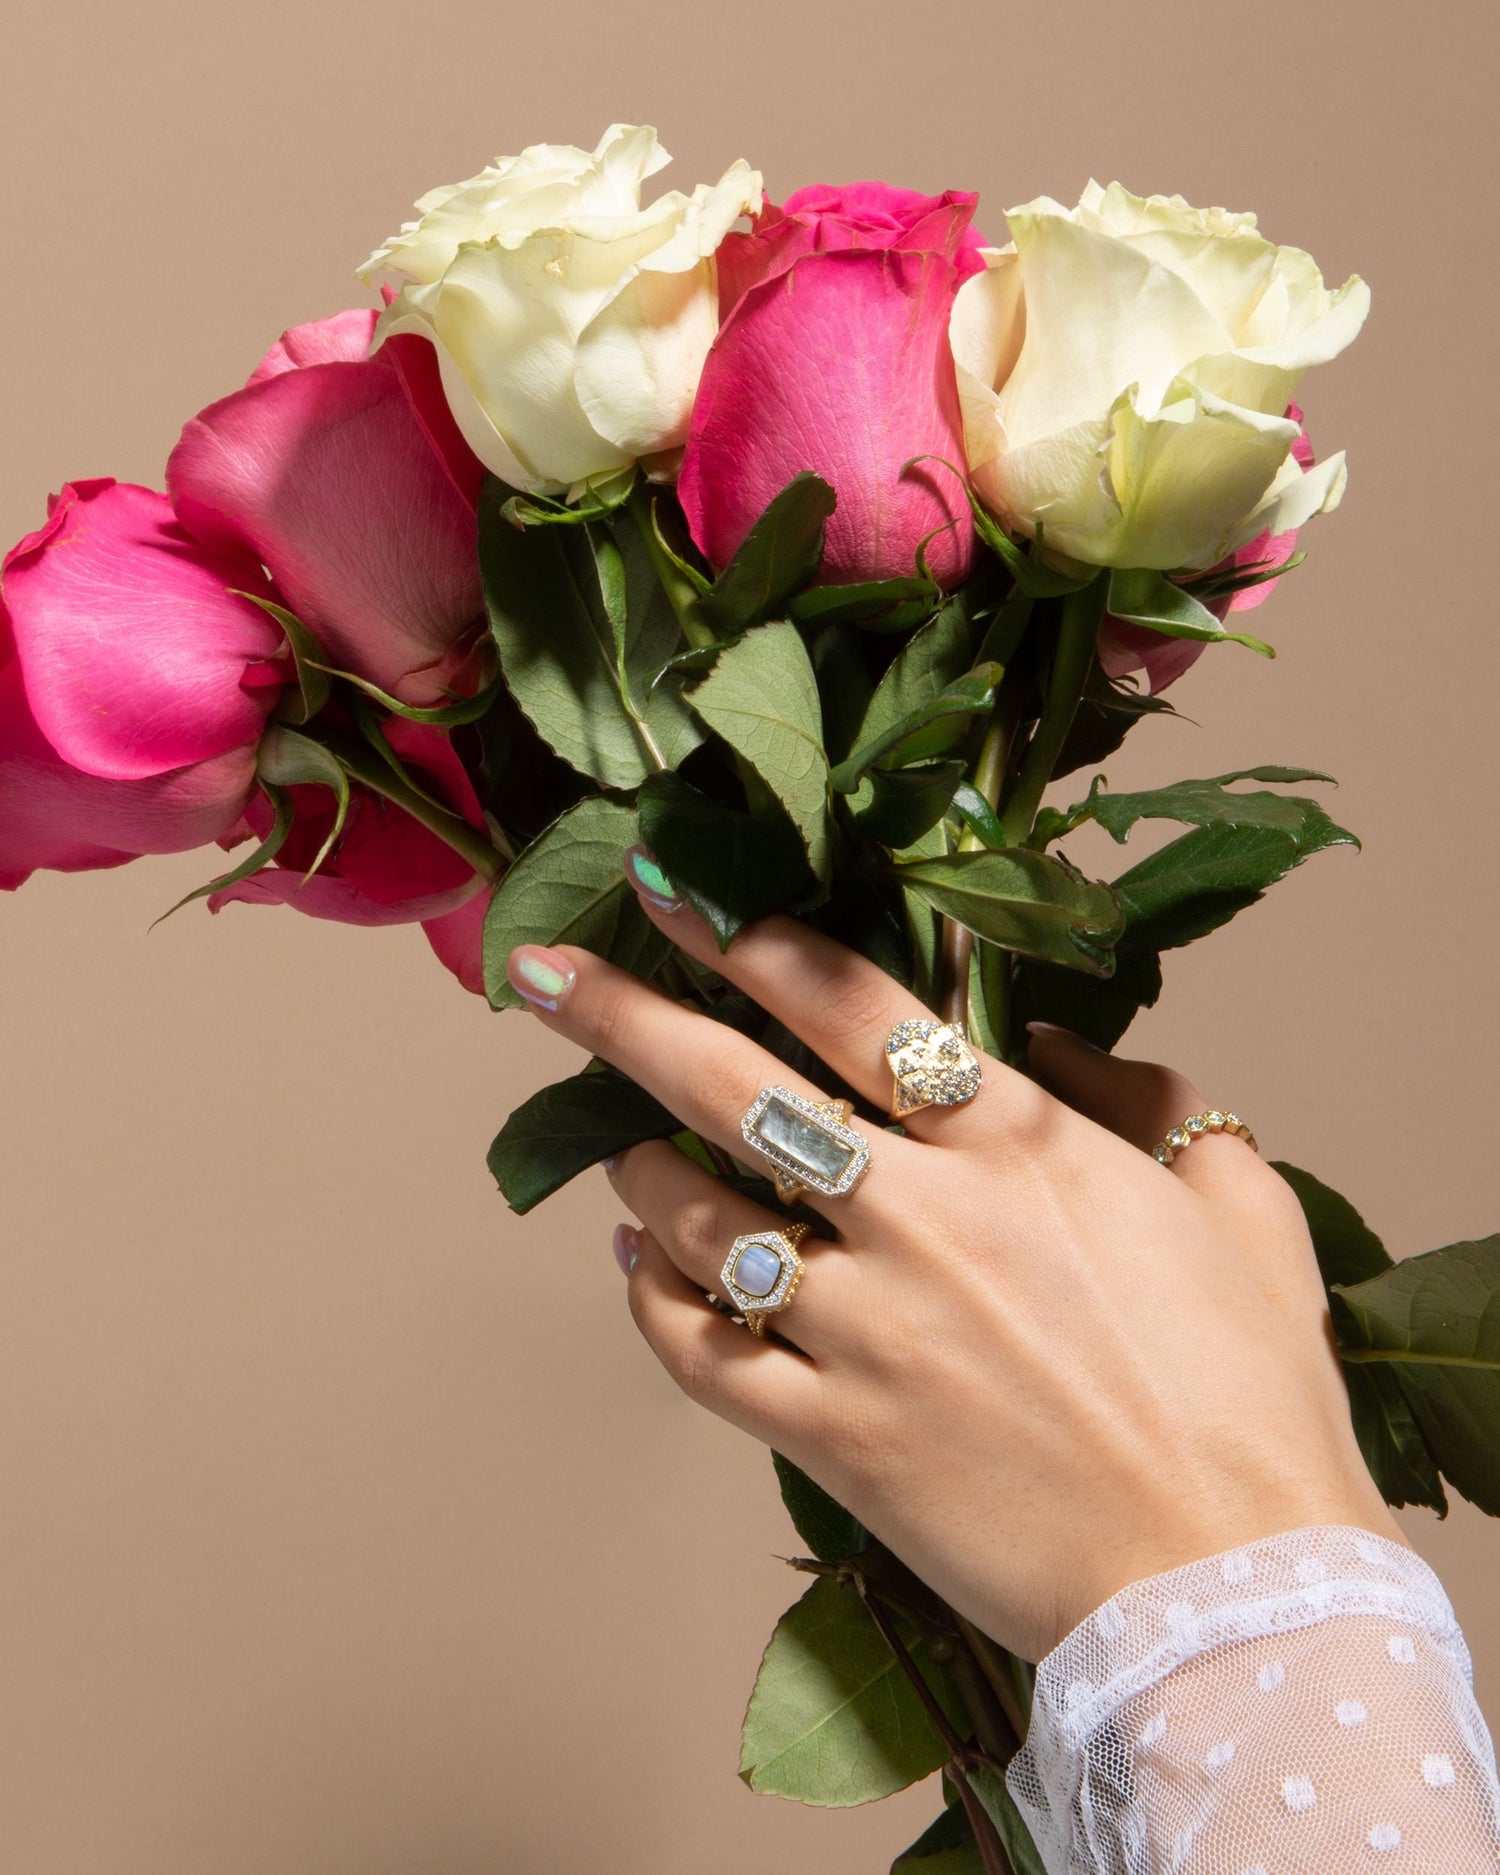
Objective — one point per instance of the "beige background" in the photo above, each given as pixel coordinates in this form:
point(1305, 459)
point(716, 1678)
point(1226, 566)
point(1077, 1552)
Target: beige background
point(345, 1526)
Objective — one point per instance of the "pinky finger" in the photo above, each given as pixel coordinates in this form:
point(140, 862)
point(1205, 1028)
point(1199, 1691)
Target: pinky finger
point(762, 1386)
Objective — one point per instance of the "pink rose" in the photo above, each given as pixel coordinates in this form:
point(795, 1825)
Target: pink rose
point(386, 867)
point(1124, 648)
point(457, 940)
point(833, 356)
point(323, 467)
point(134, 686)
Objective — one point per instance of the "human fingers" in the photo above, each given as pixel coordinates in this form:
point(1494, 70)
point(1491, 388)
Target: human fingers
point(698, 1220)
point(1143, 1102)
point(762, 1386)
point(843, 1006)
point(704, 1072)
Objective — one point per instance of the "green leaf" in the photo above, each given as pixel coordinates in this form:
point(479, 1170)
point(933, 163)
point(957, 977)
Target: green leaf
point(1197, 883)
point(569, 887)
point(1348, 1251)
point(977, 815)
point(990, 1788)
point(1207, 803)
point(1032, 574)
point(1106, 714)
point(307, 660)
point(932, 729)
point(286, 759)
point(1145, 597)
point(1240, 578)
point(882, 605)
point(777, 557)
point(562, 652)
point(1098, 1010)
point(600, 497)
point(1022, 901)
point(845, 686)
point(825, 1527)
point(930, 660)
point(259, 856)
point(442, 715)
point(762, 698)
point(564, 1129)
point(946, 1847)
point(1434, 1322)
point(895, 807)
point(731, 866)
point(833, 1719)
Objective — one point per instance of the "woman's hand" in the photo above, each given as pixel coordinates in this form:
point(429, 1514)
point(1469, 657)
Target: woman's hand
point(1037, 1364)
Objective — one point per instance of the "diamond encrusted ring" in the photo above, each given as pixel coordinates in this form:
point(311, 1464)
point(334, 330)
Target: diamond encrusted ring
point(934, 1066)
point(762, 1272)
point(807, 1143)
point(1194, 1127)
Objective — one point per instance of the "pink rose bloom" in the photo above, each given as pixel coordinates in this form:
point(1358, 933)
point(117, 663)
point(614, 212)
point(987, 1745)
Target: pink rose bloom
point(457, 940)
point(386, 867)
point(1125, 648)
point(134, 686)
point(324, 468)
point(833, 356)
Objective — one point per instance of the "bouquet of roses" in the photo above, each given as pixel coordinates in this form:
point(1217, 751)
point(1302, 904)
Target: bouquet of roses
point(789, 554)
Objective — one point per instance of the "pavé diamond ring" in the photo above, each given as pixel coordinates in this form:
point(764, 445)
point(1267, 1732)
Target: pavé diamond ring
point(807, 1143)
point(934, 1066)
point(762, 1272)
point(1194, 1127)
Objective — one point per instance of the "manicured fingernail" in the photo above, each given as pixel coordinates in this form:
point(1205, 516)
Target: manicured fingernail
point(1056, 1028)
point(541, 976)
point(609, 1165)
point(627, 1247)
point(650, 881)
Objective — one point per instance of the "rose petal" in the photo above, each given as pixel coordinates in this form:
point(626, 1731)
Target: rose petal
point(54, 816)
point(325, 475)
point(458, 941)
point(134, 653)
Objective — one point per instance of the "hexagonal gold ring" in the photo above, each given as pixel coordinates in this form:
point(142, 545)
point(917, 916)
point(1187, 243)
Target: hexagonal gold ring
point(761, 1273)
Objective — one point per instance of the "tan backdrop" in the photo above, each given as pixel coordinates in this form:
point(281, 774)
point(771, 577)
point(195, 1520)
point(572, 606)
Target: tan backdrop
point(346, 1528)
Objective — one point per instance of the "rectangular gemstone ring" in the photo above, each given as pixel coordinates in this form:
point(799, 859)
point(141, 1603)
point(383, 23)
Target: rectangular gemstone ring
point(806, 1142)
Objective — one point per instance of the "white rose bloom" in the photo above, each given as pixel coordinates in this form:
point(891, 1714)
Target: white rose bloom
point(570, 323)
point(1124, 369)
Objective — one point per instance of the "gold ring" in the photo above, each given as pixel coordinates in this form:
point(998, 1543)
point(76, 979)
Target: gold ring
point(1194, 1127)
point(807, 1142)
point(762, 1272)
point(933, 1064)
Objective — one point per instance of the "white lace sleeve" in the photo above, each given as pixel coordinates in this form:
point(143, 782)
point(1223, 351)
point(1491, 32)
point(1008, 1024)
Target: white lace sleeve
point(1302, 1704)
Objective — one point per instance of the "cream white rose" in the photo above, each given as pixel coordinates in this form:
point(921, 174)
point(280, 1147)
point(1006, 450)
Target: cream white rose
point(570, 323)
point(1124, 369)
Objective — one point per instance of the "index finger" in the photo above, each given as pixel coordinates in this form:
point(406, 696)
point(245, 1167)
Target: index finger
point(840, 1004)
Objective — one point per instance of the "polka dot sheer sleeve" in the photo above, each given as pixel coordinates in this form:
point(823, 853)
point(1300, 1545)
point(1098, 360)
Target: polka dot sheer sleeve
point(1302, 1704)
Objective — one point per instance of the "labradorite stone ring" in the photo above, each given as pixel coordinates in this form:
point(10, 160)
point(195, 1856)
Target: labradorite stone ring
point(807, 1143)
point(761, 1273)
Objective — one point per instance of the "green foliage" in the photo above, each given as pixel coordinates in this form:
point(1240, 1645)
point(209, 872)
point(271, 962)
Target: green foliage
point(569, 887)
point(833, 1719)
point(313, 686)
point(932, 729)
point(825, 1527)
point(762, 697)
point(1107, 712)
point(1434, 1322)
point(1144, 597)
point(895, 807)
point(1199, 882)
point(1209, 803)
point(584, 631)
point(259, 855)
point(1022, 901)
point(731, 865)
point(564, 1129)
point(883, 605)
point(777, 558)
point(1348, 1252)
point(945, 1847)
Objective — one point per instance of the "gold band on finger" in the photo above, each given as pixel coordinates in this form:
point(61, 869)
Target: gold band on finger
point(1194, 1127)
point(807, 1143)
point(933, 1064)
point(762, 1272)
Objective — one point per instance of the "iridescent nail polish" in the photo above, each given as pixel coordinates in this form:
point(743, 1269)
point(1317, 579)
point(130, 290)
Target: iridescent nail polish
point(541, 976)
point(646, 875)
